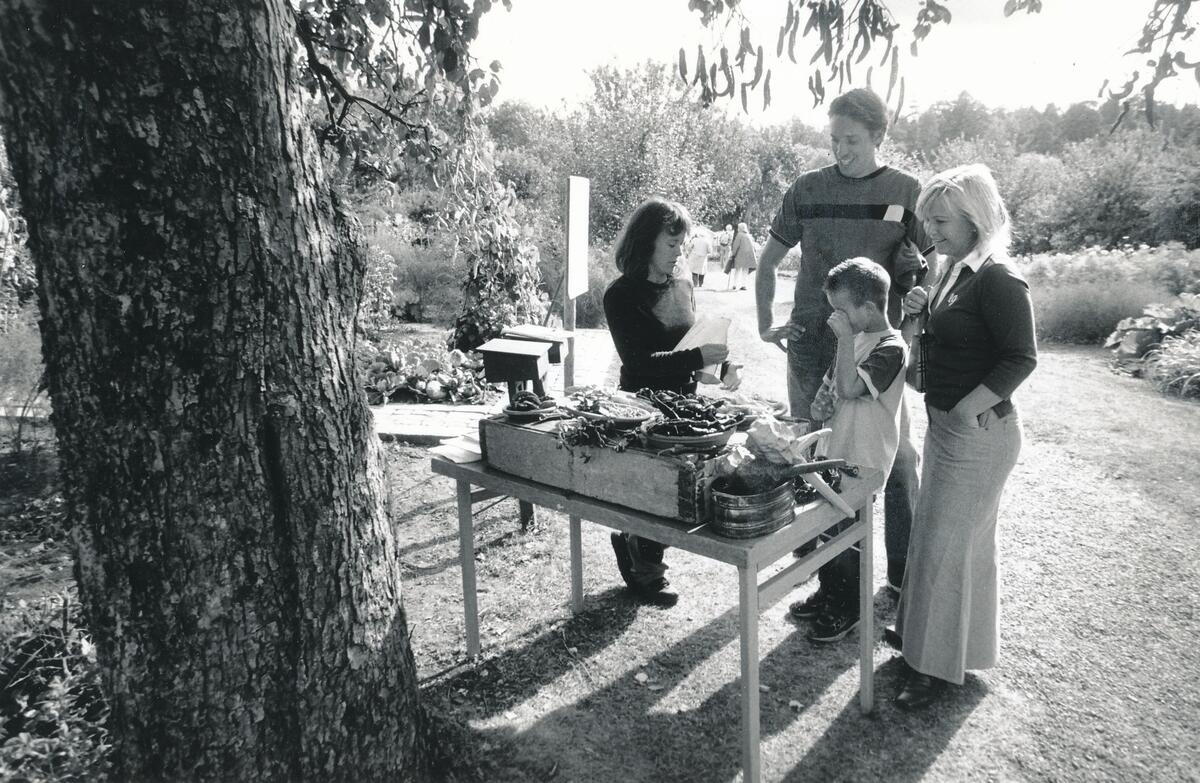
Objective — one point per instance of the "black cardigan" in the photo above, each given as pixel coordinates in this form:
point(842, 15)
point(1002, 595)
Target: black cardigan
point(982, 333)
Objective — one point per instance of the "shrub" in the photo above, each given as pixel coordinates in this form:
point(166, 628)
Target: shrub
point(1174, 367)
point(1168, 266)
point(1174, 204)
point(52, 711)
point(1133, 338)
point(416, 369)
point(589, 307)
point(1176, 269)
point(426, 276)
point(1085, 312)
point(20, 357)
point(1105, 191)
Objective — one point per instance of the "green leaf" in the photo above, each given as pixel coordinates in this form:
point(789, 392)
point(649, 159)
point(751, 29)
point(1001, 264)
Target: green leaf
point(894, 73)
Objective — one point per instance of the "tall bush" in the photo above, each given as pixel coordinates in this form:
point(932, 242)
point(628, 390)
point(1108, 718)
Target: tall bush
point(1080, 297)
point(1105, 191)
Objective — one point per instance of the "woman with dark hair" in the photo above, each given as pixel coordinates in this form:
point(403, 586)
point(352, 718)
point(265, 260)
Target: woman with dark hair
point(649, 309)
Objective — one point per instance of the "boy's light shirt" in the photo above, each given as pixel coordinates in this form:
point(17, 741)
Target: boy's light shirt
point(866, 429)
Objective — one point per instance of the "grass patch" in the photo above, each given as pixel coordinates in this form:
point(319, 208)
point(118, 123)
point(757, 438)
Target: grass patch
point(1086, 312)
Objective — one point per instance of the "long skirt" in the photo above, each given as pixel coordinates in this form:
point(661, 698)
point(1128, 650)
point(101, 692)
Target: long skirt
point(949, 605)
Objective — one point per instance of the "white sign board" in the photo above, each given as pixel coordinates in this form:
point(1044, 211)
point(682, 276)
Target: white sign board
point(578, 197)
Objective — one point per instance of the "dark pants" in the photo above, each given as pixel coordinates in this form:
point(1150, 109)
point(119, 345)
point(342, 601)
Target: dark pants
point(697, 280)
point(640, 561)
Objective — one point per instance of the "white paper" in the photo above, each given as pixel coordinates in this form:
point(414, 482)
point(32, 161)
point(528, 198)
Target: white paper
point(704, 331)
point(464, 448)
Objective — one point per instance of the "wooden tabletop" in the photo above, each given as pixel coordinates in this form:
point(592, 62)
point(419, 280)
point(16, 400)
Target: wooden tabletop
point(811, 518)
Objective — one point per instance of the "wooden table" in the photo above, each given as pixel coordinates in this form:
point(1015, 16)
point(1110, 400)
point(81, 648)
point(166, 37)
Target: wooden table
point(749, 556)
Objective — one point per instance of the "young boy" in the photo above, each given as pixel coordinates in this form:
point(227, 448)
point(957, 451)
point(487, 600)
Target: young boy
point(860, 402)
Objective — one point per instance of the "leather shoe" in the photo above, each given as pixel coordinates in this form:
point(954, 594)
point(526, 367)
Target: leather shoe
point(919, 692)
point(658, 596)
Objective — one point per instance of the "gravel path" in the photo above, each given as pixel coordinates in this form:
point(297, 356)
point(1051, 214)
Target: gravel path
point(1096, 681)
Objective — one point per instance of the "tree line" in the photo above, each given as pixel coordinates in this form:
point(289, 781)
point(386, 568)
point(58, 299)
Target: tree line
point(1070, 179)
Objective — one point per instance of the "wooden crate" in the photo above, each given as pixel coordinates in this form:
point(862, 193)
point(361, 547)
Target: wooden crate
point(671, 486)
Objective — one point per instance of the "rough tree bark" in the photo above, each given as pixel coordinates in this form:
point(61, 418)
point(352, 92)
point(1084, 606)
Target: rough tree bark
point(198, 287)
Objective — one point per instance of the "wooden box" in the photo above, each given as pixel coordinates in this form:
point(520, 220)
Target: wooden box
point(674, 486)
point(556, 339)
point(514, 360)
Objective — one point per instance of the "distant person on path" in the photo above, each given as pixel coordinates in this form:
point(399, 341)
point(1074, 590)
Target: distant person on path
point(741, 258)
point(853, 208)
point(981, 347)
point(700, 247)
point(649, 309)
point(724, 248)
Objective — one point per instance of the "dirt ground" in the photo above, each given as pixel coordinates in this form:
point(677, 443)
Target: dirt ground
point(1096, 678)
point(1096, 681)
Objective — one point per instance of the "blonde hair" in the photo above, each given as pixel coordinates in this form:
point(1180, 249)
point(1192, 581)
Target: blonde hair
point(971, 191)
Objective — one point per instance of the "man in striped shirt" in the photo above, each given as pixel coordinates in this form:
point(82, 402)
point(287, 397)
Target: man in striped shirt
point(854, 208)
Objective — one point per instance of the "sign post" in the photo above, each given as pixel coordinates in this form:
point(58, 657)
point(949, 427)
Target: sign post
point(578, 198)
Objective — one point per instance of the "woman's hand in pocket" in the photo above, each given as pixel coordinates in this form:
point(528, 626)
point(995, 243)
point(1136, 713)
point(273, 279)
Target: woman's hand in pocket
point(962, 418)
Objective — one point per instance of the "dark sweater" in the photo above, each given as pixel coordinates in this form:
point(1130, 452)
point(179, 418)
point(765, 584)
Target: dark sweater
point(982, 333)
point(647, 320)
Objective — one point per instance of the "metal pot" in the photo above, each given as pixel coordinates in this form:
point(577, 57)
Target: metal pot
point(747, 516)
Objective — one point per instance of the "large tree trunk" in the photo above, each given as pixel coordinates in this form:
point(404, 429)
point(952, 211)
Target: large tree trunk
point(198, 288)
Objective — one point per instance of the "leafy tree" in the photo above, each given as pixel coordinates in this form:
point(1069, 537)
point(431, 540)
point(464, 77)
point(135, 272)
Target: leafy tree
point(850, 33)
point(1105, 191)
point(515, 124)
point(198, 289)
point(1081, 121)
point(1036, 131)
point(641, 134)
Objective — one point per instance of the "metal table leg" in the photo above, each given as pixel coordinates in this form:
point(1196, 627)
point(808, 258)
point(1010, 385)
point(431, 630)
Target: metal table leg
point(576, 566)
point(466, 556)
point(748, 619)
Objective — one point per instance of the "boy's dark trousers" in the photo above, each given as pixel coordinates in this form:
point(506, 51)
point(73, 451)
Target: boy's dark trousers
point(839, 577)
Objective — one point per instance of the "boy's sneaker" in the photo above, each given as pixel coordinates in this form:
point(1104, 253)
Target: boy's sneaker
point(833, 625)
point(810, 608)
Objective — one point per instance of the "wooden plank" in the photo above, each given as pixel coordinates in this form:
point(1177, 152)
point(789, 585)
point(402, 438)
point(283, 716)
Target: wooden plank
point(480, 495)
point(666, 531)
point(783, 582)
point(556, 339)
point(672, 486)
point(748, 620)
point(814, 518)
point(576, 565)
point(466, 558)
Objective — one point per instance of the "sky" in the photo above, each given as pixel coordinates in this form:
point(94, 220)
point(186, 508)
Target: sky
point(1061, 55)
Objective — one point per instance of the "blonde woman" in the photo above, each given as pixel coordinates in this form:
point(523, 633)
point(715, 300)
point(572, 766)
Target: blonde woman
point(981, 347)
